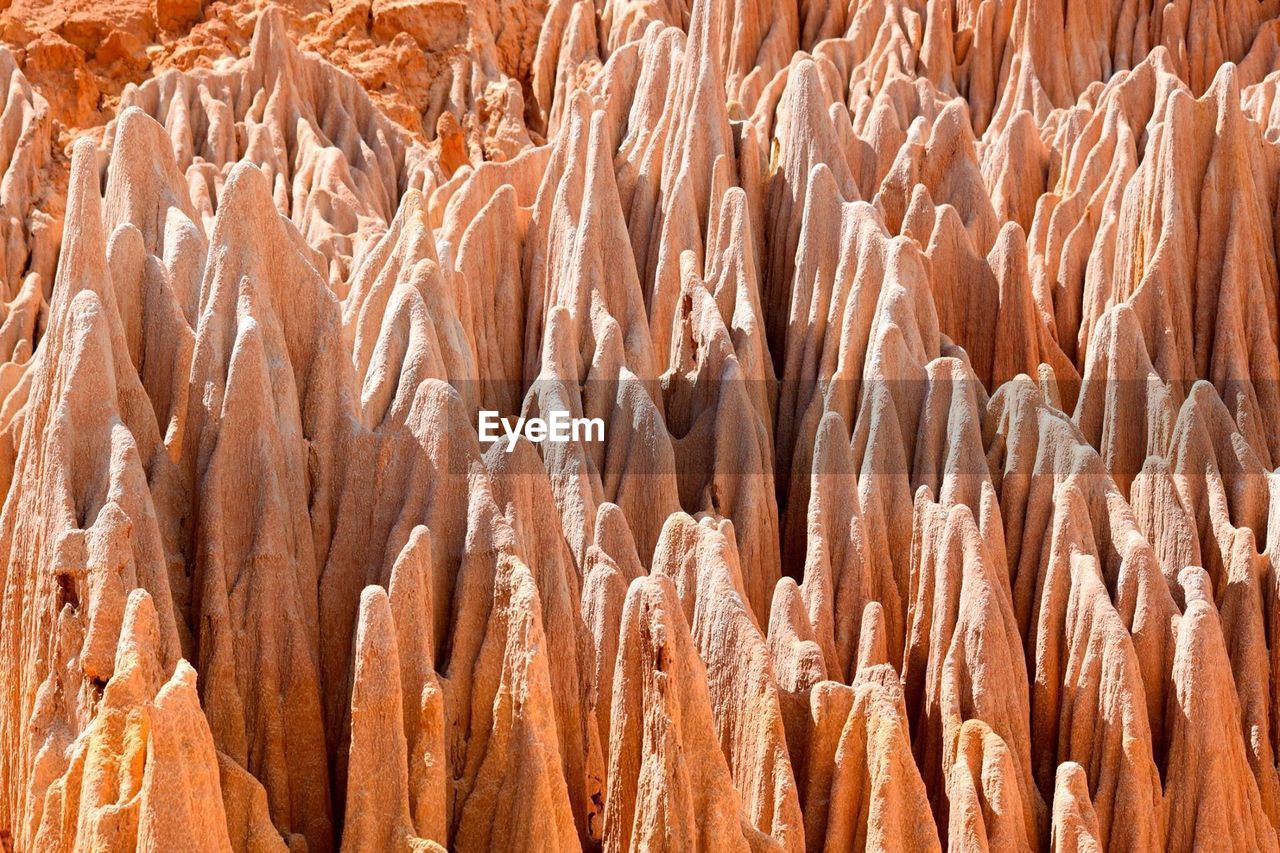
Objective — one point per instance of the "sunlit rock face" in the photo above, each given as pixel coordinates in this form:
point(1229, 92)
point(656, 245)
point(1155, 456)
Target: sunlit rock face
point(934, 349)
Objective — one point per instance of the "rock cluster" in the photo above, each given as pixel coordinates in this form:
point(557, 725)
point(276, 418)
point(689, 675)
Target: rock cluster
point(937, 346)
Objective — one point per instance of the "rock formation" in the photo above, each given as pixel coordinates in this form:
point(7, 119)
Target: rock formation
point(936, 347)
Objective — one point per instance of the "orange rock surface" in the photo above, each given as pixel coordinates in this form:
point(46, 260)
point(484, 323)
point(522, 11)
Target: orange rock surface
point(937, 348)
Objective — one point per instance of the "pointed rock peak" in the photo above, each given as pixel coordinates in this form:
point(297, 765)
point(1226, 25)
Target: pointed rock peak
point(873, 644)
point(831, 452)
point(660, 697)
point(270, 38)
point(377, 807)
point(1075, 824)
point(144, 182)
point(559, 348)
point(246, 196)
point(1118, 335)
point(82, 263)
point(922, 219)
point(613, 537)
point(137, 652)
point(1008, 257)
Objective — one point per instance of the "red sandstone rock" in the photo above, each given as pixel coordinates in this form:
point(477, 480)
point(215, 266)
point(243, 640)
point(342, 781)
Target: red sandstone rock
point(936, 346)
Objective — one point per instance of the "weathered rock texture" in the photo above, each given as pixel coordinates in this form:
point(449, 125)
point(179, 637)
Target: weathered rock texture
point(937, 345)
